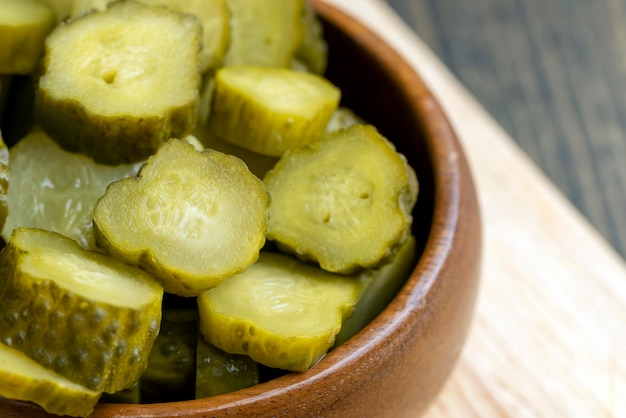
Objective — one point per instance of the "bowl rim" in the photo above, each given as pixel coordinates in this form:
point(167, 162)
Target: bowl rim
point(446, 157)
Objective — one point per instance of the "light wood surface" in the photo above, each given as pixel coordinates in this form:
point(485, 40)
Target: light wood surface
point(549, 333)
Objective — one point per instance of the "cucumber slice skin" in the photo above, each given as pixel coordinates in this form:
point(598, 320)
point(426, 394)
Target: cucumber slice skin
point(249, 107)
point(96, 344)
point(21, 46)
point(281, 312)
point(23, 379)
point(345, 214)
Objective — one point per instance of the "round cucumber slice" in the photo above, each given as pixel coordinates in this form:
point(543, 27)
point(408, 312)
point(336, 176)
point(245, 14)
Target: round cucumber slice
point(56, 190)
point(23, 379)
point(24, 25)
point(190, 218)
point(281, 312)
point(117, 84)
point(82, 314)
point(344, 201)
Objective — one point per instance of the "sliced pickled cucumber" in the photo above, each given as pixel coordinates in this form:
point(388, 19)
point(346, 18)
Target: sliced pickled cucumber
point(380, 285)
point(24, 25)
point(4, 182)
point(56, 190)
point(264, 32)
point(342, 118)
point(219, 372)
point(171, 372)
point(82, 314)
point(213, 15)
point(258, 164)
point(344, 201)
point(281, 312)
point(191, 218)
point(136, 85)
point(269, 110)
point(23, 379)
point(313, 52)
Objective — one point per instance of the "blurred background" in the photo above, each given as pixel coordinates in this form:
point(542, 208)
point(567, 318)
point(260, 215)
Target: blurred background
point(553, 74)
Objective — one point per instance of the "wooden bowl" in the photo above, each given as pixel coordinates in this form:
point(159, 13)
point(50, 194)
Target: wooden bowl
point(398, 364)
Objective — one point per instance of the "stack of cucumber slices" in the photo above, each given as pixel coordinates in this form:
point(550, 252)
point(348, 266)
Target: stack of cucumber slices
point(186, 207)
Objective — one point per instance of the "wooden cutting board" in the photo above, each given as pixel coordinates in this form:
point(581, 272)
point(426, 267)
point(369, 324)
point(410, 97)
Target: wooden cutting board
point(549, 333)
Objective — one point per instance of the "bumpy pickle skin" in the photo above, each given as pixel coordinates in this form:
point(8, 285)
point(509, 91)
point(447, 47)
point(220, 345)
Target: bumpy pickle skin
point(270, 110)
point(264, 32)
point(190, 218)
point(344, 201)
point(24, 25)
point(23, 379)
point(56, 190)
point(79, 313)
point(281, 312)
point(116, 84)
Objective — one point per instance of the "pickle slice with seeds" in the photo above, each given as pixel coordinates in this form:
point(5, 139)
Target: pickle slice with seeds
point(4, 182)
point(269, 110)
point(23, 379)
point(281, 312)
point(136, 85)
point(344, 201)
point(24, 25)
point(82, 314)
point(190, 218)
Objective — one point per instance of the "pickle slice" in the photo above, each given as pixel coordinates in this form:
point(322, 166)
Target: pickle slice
point(258, 164)
point(344, 201)
point(213, 15)
point(23, 379)
point(269, 110)
point(56, 190)
point(118, 83)
point(313, 52)
point(264, 32)
point(190, 218)
point(281, 312)
point(24, 25)
point(380, 285)
point(343, 118)
point(219, 372)
point(82, 314)
point(171, 372)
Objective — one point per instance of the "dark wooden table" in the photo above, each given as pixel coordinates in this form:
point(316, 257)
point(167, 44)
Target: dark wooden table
point(553, 74)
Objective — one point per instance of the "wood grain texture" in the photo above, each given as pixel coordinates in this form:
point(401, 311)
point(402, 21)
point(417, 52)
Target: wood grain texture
point(553, 74)
point(548, 338)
